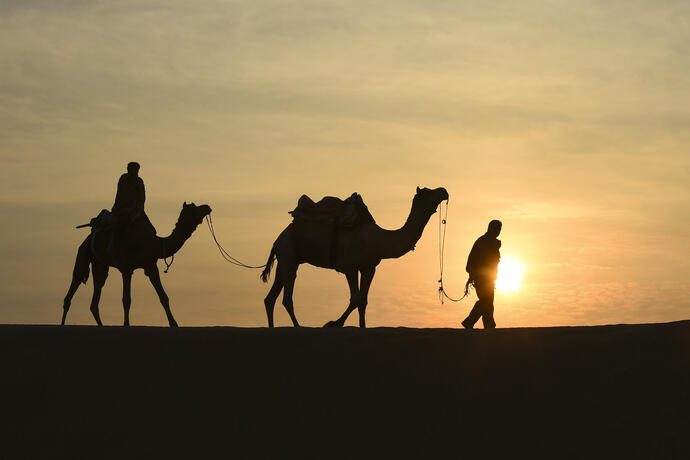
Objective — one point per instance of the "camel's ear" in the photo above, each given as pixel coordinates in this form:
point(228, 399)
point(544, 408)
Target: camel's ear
point(184, 205)
point(193, 204)
point(418, 189)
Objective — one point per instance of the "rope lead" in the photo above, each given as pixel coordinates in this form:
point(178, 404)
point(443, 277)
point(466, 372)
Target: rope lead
point(442, 294)
point(226, 255)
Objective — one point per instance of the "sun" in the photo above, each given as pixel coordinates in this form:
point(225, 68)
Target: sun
point(509, 275)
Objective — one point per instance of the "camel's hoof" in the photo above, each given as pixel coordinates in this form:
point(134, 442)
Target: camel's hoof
point(173, 324)
point(332, 324)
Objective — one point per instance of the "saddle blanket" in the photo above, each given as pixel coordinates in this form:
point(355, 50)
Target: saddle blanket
point(344, 213)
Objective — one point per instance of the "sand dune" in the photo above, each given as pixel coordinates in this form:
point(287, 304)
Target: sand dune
point(582, 392)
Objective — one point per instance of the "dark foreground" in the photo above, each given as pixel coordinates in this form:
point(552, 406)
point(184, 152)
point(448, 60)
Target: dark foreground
point(584, 392)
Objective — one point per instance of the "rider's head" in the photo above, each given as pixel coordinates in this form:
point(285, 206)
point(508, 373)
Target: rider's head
point(494, 228)
point(133, 168)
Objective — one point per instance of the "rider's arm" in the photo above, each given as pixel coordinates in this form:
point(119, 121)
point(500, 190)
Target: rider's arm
point(141, 199)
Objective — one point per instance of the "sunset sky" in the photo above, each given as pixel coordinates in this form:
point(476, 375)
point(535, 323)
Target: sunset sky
point(569, 121)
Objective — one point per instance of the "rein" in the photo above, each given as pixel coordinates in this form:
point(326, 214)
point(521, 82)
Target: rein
point(442, 294)
point(226, 255)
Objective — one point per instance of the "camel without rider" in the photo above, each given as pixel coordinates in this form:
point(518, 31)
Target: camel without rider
point(359, 250)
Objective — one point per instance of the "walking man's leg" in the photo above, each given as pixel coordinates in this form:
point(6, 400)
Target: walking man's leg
point(485, 292)
point(474, 316)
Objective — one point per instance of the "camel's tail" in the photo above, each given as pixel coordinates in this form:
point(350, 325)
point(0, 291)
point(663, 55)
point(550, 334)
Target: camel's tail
point(81, 265)
point(269, 264)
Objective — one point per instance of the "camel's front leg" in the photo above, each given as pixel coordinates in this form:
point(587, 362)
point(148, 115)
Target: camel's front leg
point(364, 285)
point(354, 296)
point(126, 295)
point(100, 274)
point(155, 278)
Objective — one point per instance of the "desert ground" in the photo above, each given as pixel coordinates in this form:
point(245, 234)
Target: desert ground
point(620, 391)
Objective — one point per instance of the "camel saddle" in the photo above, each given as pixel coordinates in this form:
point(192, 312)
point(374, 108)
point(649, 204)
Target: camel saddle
point(346, 213)
point(104, 221)
point(107, 221)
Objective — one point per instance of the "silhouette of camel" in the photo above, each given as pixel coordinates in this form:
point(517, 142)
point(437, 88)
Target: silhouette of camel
point(361, 248)
point(127, 254)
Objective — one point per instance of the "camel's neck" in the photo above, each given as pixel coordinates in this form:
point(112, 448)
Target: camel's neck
point(172, 243)
point(395, 243)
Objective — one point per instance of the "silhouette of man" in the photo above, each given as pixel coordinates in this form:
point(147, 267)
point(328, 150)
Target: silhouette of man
point(482, 265)
point(129, 201)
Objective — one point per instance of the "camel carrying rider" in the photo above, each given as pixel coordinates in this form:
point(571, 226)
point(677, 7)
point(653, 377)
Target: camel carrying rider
point(128, 208)
point(482, 266)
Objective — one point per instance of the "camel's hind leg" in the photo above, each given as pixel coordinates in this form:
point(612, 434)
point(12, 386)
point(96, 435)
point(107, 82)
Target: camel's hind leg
point(68, 299)
point(79, 275)
point(100, 274)
point(270, 300)
point(352, 282)
point(289, 274)
point(155, 278)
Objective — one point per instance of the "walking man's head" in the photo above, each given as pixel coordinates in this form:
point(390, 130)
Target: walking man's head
point(133, 168)
point(494, 228)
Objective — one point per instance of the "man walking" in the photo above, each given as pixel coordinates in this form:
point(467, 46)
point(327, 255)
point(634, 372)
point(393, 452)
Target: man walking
point(482, 266)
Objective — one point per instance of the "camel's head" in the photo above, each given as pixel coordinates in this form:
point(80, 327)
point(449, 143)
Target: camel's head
point(428, 200)
point(192, 215)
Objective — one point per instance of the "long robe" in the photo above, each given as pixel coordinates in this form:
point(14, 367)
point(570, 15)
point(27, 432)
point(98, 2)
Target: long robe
point(129, 204)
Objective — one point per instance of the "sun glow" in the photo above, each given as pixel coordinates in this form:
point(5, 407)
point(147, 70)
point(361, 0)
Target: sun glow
point(509, 275)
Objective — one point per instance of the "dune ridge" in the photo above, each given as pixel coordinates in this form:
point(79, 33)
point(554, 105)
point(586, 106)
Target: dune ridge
point(220, 392)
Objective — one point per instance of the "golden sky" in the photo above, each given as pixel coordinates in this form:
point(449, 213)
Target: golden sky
point(569, 121)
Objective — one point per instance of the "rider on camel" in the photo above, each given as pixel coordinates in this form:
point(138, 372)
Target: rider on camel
point(129, 201)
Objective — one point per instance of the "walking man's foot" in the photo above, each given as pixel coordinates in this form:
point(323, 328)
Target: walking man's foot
point(467, 325)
